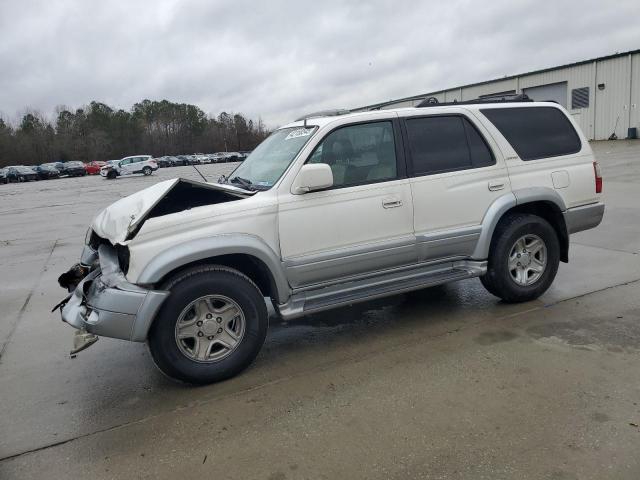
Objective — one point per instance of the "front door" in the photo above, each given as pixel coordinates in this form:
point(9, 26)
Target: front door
point(364, 223)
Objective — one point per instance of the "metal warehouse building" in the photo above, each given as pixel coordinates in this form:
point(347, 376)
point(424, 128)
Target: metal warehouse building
point(602, 94)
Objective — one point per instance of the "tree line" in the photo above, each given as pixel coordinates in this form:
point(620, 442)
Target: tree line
point(99, 132)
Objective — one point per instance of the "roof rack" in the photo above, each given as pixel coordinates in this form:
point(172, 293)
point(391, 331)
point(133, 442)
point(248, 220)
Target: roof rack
point(324, 113)
point(507, 98)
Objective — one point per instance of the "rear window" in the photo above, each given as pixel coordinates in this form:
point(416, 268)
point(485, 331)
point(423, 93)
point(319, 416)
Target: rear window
point(535, 132)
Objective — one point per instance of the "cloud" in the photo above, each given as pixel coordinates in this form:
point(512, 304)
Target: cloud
point(280, 59)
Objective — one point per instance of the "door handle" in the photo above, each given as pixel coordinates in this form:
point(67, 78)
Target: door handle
point(493, 186)
point(391, 203)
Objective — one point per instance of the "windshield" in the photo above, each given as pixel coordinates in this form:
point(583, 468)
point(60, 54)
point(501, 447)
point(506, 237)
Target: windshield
point(24, 170)
point(270, 159)
point(73, 164)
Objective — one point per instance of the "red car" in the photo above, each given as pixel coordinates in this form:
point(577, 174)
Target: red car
point(93, 168)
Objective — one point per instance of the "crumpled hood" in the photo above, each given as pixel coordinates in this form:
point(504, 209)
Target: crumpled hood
point(122, 219)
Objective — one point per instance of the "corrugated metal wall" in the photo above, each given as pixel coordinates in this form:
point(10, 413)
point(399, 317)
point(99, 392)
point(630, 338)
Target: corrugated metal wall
point(618, 99)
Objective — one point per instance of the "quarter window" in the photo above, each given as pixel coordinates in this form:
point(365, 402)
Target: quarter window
point(535, 132)
point(445, 143)
point(359, 154)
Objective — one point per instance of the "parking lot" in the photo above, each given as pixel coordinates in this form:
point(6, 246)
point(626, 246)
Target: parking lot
point(446, 382)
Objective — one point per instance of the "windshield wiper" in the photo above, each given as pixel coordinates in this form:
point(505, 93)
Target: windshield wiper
point(247, 184)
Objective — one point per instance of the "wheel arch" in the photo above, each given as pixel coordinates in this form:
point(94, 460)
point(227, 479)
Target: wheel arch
point(248, 254)
point(541, 201)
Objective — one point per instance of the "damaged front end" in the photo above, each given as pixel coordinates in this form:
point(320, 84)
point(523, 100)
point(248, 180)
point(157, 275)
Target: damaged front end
point(102, 302)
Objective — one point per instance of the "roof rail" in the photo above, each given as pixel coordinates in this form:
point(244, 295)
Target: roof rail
point(324, 113)
point(512, 97)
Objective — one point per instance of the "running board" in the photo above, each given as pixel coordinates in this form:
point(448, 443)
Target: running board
point(355, 291)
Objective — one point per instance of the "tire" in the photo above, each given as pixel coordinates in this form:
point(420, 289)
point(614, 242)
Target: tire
point(176, 357)
point(111, 175)
point(147, 171)
point(514, 273)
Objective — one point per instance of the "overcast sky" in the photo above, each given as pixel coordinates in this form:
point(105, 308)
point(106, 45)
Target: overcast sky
point(279, 59)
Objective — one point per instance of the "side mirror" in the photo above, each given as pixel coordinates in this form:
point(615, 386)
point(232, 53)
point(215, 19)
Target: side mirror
point(312, 177)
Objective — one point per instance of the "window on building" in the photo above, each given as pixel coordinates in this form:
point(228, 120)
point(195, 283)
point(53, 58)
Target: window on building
point(535, 132)
point(580, 98)
point(445, 143)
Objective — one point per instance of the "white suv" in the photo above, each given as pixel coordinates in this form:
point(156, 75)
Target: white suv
point(144, 164)
point(330, 211)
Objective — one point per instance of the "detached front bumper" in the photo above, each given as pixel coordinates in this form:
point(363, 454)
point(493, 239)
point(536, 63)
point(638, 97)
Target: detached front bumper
point(105, 304)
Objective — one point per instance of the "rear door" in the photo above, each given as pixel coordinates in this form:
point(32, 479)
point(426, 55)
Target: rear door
point(456, 173)
point(136, 164)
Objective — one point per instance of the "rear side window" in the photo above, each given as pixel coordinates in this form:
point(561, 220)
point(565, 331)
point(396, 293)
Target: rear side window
point(445, 143)
point(535, 132)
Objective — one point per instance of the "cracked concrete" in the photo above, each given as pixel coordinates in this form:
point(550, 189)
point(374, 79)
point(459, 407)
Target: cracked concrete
point(443, 383)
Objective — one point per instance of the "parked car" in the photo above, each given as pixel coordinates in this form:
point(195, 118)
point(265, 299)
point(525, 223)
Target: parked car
point(202, 158)
point(3, 176)
point(232, 156)
point(93, 168)
point(72, 169)
point(144, 164)
point(331, 211)
point(20, 173)
point(181, 160)
point(46, 171)
point(163, 162)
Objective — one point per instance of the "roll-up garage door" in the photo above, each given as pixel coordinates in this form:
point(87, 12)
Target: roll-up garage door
point(556, 92)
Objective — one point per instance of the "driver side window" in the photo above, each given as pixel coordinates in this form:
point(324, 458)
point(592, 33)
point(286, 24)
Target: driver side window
point(359, 154)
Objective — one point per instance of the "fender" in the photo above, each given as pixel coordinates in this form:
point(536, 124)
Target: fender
point(224, 244)
point(537, 194)
point(502, 204)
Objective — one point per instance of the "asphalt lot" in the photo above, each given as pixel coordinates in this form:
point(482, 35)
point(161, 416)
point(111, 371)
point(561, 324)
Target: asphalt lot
point(443, 383)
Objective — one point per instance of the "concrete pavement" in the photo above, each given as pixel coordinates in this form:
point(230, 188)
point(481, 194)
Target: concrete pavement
point(443, 383)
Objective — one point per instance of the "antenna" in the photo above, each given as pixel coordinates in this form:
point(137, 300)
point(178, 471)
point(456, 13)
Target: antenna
point(199, 172)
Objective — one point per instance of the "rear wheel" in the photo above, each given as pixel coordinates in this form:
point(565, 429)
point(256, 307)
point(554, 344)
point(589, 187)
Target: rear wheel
point(523, 259)
point(147, 171)
point(211, 327)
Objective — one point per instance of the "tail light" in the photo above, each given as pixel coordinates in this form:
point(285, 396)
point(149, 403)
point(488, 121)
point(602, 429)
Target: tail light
point(598, 175)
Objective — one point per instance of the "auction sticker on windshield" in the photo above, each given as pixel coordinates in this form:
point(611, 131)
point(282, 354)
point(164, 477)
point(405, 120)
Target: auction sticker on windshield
point(300, 132)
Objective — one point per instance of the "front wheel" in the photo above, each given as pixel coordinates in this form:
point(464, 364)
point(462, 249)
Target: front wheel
point(147, 171)
point(111, 175)
point(211, 327)
point(523, 259)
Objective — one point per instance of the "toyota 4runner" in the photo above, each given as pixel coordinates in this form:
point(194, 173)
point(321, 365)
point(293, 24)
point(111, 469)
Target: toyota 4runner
point(330, 210)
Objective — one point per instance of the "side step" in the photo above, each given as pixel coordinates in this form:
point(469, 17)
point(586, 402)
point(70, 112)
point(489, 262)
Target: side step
point(355, 291)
